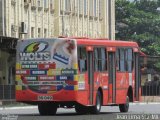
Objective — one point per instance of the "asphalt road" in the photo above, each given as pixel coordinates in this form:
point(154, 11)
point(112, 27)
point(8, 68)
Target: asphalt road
point(136, 112)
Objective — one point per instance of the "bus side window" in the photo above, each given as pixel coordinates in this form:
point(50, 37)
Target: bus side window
point(129, 60)
point(100, 59)
point(118, 59)
point(103, 59)
point(96, 59)
point(122, 59)
point(82, 59)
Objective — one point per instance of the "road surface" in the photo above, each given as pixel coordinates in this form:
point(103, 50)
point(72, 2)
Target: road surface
point(136, 112)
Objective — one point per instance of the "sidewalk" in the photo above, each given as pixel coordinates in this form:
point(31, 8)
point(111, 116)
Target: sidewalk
point(17, 107)
point(151, 99)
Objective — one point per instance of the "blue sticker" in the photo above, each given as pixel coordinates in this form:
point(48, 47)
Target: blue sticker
point(69, 87)
point(63, 77)
point(59, 87)
point(38, 72)
point(61, 58)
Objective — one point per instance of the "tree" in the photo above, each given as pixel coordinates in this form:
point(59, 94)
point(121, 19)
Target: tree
point(139, 21)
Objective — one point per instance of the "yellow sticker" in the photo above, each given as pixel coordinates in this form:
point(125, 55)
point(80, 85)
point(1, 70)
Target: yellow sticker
point(18, 87)
point(81, 77)
point(54, 72)
point(75, 77)
point(18, 66)
point(75, 66)
point(18, 77)
point(49, 92)
point(75, 87)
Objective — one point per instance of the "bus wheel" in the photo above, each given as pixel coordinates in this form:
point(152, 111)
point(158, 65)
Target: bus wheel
point(124, 107)
point(97, 108)
point(47, 108)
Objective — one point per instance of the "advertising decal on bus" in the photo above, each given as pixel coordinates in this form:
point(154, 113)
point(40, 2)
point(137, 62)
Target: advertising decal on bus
point(39, 65)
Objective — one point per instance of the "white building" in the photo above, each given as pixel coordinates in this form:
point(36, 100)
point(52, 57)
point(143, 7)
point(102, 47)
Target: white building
point(51, 18)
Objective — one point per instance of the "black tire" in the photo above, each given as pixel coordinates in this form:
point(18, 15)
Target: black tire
point(97, 108)
point(80, 109)
point(47, 108)
point(124, 107)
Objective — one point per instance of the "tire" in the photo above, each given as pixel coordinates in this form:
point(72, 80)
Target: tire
point(97, 108)
point(124, 107)
point(47, 108)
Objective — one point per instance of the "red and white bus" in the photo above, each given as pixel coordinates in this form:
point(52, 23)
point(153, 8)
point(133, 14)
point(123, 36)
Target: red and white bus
point(77, 72)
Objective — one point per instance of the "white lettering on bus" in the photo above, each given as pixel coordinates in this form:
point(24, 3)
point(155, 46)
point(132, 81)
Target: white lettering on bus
point(68, 72)
point(43, 56)
point(38, 72)
point(63, 77)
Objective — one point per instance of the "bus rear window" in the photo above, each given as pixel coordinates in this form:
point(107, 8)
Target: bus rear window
point(82, 59)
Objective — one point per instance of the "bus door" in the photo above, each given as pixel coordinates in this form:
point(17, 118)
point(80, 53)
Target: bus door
point(90, 73)
point(137, 75)
point(112, 77)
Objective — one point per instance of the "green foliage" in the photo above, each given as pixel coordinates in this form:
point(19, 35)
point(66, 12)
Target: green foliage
point(158, 66)
point(139, 21)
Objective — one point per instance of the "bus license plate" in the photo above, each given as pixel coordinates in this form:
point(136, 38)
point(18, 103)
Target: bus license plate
point(45, 98)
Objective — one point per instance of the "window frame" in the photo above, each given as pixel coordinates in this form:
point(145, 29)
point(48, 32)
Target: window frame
point(98, 60)
point(118, 59)
point(80, 57)
point(129, 60)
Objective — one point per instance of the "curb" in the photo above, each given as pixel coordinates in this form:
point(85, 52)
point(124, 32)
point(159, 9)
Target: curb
point(13, 108)
point(145, 103)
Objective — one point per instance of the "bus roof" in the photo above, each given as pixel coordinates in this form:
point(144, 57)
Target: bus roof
point(106, 42)
point(97, 41)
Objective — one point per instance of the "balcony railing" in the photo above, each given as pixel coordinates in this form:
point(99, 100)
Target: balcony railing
point(7, 92)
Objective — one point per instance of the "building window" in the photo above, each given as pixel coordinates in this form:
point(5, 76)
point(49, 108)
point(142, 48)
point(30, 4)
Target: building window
point(81, 6)
point(45, 32)
point(67, 5)
point(95, 7)
point(33, 3)
point(39, 3)
point(91, 7)
point(82, 59)
point(73, 5)
point(32, 32)
point(45, 3)
point(85, 7)
point(76, 6)
point(52, 4)
point(61, 4)
point(100, 9)
point(39, 32)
